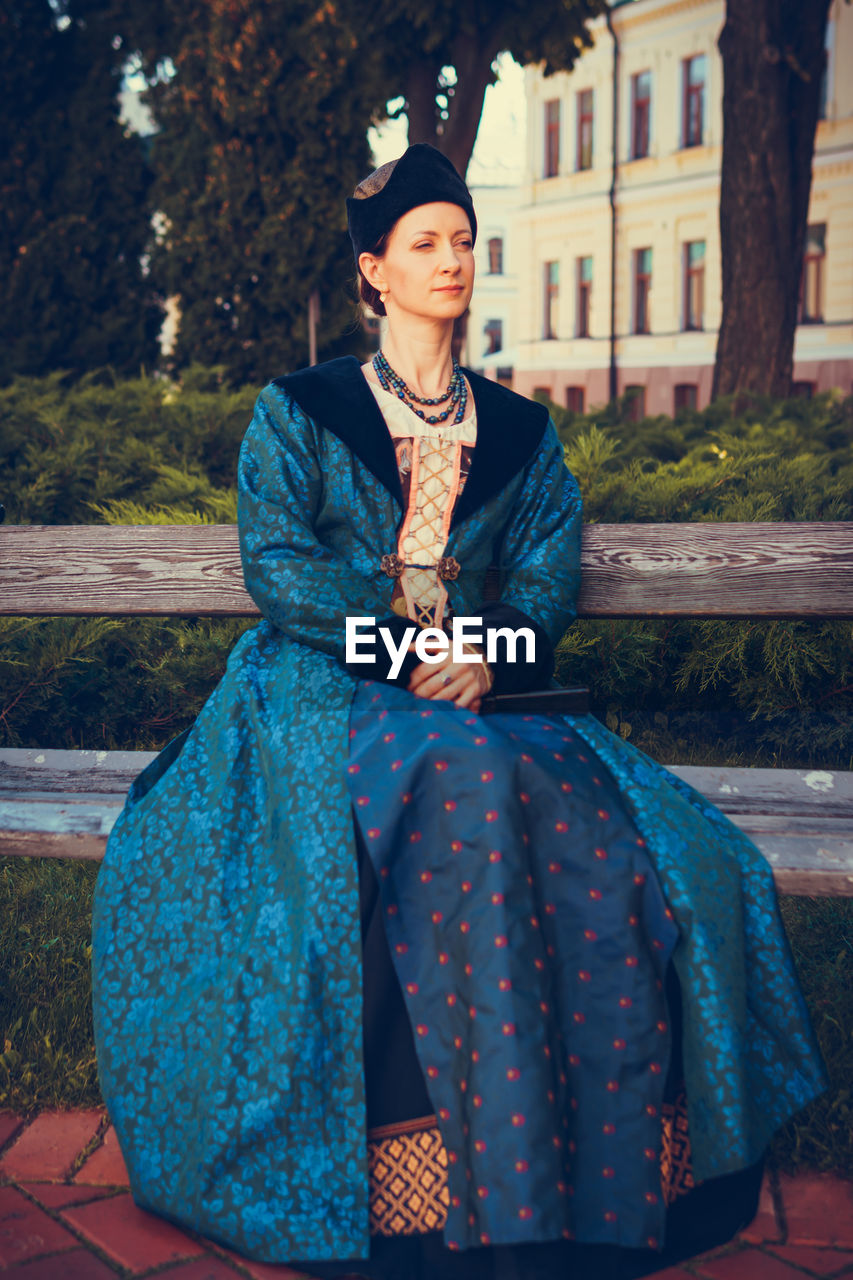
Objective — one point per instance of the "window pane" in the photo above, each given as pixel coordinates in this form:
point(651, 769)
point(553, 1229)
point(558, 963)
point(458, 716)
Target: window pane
point(641, 87)
point(695, 301)
point(585, 268)
point(812, 302)
point(584, 157)
point(636, 402)
point(551, 290)
point(694, 96)
point(493, 332)
point(552, 138)
point(695, 253)
point(642, 284)
point(816, 238)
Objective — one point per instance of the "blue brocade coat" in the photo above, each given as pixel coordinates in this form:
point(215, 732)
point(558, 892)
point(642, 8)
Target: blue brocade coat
point(226, 943)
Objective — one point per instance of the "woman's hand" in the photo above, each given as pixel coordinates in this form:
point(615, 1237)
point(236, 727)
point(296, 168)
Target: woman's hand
point(464, 683)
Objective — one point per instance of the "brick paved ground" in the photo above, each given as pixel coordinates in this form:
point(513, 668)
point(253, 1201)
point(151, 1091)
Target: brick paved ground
point(66, 1214)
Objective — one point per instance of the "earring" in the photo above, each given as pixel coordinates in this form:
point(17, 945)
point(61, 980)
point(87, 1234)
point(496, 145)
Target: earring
point(383, 294)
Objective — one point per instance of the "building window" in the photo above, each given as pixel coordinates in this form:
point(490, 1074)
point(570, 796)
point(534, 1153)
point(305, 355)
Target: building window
point(693, 104)
point(552, 289)
point(496, 256)
point(811, 281)
point(635, 402)
point(575, 399)
point(694, 284)
point(584, 155)
point(542, 393)
point(584, 287)
point(803, 390)
point(641, 105)
point(686, 396)
point(552, 138)
point(493, 331)
point(642, 289)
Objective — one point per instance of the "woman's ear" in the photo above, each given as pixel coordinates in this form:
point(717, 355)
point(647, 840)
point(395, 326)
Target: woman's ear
point(371, 269)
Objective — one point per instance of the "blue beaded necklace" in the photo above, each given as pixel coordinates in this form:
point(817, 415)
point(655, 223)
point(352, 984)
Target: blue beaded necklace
point(456, 393)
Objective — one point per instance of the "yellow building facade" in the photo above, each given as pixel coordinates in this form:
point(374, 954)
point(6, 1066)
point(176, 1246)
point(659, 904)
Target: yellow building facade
point(561, 232)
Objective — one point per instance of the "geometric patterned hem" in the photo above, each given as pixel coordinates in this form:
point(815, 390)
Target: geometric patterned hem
point(407, 1171)
point(676, 1173)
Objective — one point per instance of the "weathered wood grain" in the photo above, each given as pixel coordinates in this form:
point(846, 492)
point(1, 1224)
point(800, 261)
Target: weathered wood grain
point(822, 793)
point(812, 863)
point(30, 771)
point(63, 804)
point(628, 570)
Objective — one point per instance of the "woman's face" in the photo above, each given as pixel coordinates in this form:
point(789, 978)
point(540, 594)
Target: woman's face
point(428, 266)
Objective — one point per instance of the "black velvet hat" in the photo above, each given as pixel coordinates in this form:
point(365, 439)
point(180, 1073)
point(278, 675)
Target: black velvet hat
point(422, 175)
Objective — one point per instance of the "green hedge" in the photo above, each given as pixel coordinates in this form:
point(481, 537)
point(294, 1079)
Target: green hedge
point(144, 451)
point(147, 451)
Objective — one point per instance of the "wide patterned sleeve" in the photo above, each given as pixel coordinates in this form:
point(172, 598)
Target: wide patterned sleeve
point(540, 566)
point(300, 585)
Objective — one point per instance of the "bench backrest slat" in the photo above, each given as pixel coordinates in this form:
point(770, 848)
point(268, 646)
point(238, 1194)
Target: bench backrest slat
point(778, 570)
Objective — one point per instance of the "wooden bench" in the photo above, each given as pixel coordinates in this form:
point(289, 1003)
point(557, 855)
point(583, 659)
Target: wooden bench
point(63, 803)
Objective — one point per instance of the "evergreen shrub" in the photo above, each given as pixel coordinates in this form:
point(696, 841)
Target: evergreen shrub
point(149, 451)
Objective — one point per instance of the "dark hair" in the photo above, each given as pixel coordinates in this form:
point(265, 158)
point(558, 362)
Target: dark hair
point(366, 291)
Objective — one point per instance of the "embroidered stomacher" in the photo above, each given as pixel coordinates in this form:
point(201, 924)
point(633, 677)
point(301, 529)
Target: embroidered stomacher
point(433, 463)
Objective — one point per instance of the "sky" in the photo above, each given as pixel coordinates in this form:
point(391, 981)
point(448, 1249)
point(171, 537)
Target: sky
point(498, 157)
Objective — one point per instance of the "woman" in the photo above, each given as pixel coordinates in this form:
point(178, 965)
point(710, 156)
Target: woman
point(554, 932)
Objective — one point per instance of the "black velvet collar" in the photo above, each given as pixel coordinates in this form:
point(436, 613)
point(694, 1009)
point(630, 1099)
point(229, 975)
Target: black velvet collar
point(509, 427)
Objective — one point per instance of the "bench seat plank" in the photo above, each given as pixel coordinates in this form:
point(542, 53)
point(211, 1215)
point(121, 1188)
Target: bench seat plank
point(824, 792)
point(704, 570)
point(63, 804)
point(29, 770)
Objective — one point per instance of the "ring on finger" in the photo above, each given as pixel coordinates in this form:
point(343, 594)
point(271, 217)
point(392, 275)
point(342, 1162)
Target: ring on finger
point(448, 680)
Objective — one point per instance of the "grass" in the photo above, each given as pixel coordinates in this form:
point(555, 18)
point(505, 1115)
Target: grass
point(48, 1057)
point(821, 934)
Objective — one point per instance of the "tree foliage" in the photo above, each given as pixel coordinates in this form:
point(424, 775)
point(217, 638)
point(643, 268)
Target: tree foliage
point(262, 133)
point(439, 58)
point(145, 452)
point(74, 216)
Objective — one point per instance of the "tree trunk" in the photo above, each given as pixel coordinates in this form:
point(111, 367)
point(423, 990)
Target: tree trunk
point(421, 109)
point(472, 58)
point(454, 137)
point(773, 55)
